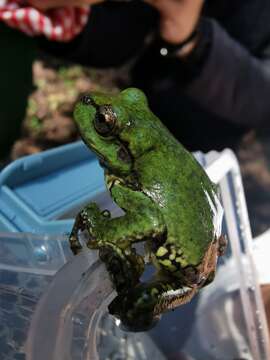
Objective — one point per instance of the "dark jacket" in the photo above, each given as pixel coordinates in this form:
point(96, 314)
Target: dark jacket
point(228, 95)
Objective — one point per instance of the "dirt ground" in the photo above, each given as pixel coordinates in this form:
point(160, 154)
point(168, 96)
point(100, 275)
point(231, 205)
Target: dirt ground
point(48, 122)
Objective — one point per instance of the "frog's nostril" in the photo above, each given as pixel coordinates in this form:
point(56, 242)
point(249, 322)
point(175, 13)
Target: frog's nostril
point(86, 100)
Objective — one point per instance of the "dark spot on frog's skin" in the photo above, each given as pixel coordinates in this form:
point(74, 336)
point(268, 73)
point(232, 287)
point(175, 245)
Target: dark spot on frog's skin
point(114, 266)
point(86, 100)
point(104, 253)
point(112, 263)
point(191, 274)
point(123, 155)
point(134, 184)
point(159, 240)
point(132, 181)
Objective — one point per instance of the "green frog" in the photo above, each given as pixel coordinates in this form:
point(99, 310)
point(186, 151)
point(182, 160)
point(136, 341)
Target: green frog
point(169, 203)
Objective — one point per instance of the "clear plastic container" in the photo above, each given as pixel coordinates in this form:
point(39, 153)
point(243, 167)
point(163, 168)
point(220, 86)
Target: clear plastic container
point(27, 265)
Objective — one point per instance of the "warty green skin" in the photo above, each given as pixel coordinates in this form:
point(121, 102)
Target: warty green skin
point(168, 201)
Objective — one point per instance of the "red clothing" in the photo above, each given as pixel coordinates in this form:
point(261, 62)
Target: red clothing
point(60, 24)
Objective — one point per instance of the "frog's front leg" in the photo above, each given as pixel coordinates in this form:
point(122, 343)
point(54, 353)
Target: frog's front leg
point(140, 308)
point(142, 221)
point(114, 237)
point(121, 266)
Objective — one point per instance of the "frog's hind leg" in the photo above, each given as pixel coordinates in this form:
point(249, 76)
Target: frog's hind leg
point(141, 306)
point(222, 243)
point(174, 297)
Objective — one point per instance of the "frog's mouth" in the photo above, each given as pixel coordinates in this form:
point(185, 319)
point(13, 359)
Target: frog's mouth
point(91, 144)
point(123, 154)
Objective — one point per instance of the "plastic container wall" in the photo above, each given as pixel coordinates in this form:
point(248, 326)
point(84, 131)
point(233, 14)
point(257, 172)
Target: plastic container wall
point(27, 265)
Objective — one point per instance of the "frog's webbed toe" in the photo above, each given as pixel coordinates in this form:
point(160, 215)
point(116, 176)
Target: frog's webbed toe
point(91, 219)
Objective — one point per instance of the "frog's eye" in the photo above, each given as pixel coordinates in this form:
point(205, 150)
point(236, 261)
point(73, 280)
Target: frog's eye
point(105, 120)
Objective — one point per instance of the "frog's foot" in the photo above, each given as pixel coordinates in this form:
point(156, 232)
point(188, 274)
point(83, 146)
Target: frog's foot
point(135, 308)
point(90, 219)
point(222, 245)
point(95, 221)
point(124, 266)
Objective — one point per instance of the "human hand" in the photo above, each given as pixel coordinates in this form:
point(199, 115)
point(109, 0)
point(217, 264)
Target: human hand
point(178, 18)
point(49, 4)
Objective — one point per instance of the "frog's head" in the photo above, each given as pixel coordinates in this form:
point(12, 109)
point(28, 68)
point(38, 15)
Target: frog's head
point(118, 128)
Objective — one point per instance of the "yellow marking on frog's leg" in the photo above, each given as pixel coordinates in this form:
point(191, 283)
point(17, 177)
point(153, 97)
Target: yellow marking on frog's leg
point(167, 256)
point(173, 254)
point(161, 251)
point(179, 252)
point(166, 262)
point(154, 291)
point(168, 265)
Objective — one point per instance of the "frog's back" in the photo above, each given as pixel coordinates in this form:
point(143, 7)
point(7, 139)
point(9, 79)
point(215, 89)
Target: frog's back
point(178, 184)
